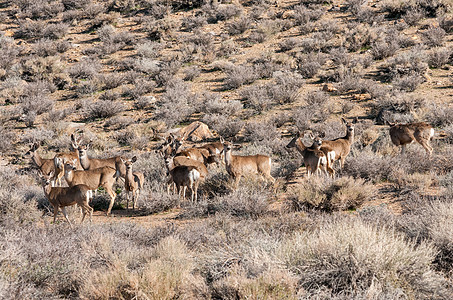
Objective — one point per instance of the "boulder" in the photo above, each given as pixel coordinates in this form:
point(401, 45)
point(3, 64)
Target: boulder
point(196, 132)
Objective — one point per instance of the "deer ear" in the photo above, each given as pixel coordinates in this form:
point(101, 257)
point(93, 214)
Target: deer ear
point(134, 159)
point(222, 140)
point(356, 120)
point(51, 174)
point(36, 145)
point(344, 121)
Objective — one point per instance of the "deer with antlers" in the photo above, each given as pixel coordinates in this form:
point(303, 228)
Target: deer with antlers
point(315, 157)
point(404, 134)
point(133, 181)
point(61, 197)
point(237, 165)
point(104, 176)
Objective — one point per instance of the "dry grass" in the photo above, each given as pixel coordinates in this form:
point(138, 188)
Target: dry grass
point(125, 73)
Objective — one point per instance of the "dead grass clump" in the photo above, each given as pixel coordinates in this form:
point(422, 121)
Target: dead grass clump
point(434, 36)
point(428, 219)
point(324, 194)
point(101, 109)
point(213, 104)
point(85, 69)
point(18, 203)
point(347, 257)
point(238, 26)
point(166, 272)
point(273, 283)
point(407, 63)
point(177, 94)
point(358, 166)
point(408, 182)
point(113, 40)
point(438, 57)
point(224, 125)
point(310, 64)
point(439, 115)
point(237, 76)
point(408, 83)
point(286, 87)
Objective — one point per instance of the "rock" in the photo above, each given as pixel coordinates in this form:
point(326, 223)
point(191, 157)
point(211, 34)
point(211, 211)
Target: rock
point(196, 132)
point(362, 97)
point(328, 87)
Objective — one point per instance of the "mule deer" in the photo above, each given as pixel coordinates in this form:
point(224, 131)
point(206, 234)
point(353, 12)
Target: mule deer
point(172, 148)
point(133, 182)
point(237, 166)
point(403, 134)
point(60, 197)
point(215, 151)
point(60, 158)
point(104, 176)
point(339, 148)
point(93, 163)
point(45, 166)
point(315, 157)
point(185, 176)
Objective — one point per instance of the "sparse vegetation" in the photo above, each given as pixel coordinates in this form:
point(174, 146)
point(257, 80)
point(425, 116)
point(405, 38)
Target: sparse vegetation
point(122, 75)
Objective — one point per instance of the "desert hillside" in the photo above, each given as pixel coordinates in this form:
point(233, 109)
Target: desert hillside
point(270, 77)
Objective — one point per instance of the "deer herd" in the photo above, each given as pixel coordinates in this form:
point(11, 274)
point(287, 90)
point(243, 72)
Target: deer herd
point(187, 168)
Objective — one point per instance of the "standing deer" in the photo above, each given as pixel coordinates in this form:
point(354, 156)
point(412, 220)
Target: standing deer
point(45, 166)
point(403, 134)
point(133, 181)
point(60, 197)
point(237, 166)
point(338, 149)
point(93, 163)
point(104, 176)
point(215, 151)
point(315, 157)
point(60, 158)
point(185, 176)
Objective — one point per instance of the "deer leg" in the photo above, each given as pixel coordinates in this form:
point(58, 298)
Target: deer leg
point(63, 209)
point(84, 213)
point(127, 200)
point(134, 198)
point(112, 199)
point(196, 192)
point(55, 212)
point(427, 147)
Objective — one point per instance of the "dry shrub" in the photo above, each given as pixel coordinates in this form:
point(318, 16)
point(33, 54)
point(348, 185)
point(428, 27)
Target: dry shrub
point(274, 283)
point(407, 63)
point(168, 272)
point(237, 76)
point(413, 182)
point(178, 95)
point(358, 166)
point(101, 109)
point(428, 219)
point(434, 36)
point(438, 57)
point(224, 125)
point(330, 195)
point(348, 257)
